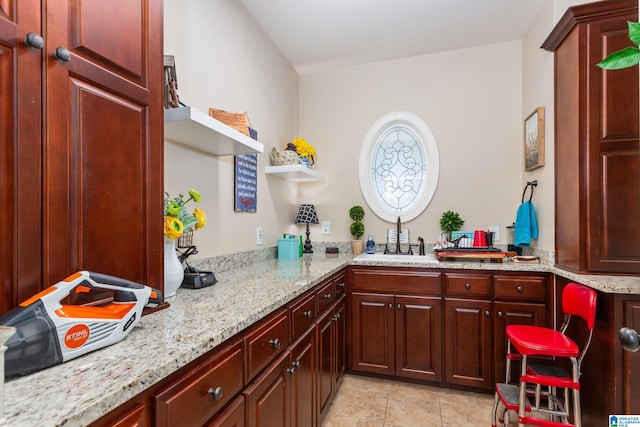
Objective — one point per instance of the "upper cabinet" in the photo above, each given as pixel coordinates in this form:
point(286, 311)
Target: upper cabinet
point(192, 127)
point(597, 151)
point(82, 155)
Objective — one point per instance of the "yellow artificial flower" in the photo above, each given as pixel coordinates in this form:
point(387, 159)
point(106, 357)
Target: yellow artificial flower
point(303, 148)
point(172, 227)
point(202, 218)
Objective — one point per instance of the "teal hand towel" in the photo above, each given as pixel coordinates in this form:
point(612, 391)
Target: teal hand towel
point(526, 227)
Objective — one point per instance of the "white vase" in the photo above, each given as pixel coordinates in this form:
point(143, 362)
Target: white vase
point(173, 270)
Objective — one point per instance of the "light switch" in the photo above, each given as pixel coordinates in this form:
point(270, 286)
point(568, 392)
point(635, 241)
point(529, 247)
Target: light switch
point(326, 227)
point(259, 234)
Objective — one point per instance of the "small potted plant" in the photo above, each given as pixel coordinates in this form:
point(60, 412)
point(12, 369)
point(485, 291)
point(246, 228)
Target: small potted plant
point(450, 221)
point(356, 213)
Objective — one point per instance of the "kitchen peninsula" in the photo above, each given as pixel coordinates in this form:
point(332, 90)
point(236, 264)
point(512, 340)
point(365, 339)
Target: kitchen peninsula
point(85, 389)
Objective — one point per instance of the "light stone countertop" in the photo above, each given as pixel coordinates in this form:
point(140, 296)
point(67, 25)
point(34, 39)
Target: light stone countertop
point(82, 390)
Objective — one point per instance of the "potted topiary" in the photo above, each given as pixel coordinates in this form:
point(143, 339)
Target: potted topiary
point(450, 221)
point(356, 213)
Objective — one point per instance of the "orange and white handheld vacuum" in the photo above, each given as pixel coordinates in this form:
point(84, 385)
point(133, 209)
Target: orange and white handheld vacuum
point(65, 321)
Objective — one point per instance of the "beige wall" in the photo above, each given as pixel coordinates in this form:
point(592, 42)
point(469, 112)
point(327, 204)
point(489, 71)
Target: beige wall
point(474, 100)
point(224, 60)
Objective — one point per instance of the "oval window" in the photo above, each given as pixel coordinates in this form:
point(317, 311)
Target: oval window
point(399, 166)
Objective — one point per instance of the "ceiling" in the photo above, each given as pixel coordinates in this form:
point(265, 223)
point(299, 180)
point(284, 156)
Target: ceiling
point(316, 35)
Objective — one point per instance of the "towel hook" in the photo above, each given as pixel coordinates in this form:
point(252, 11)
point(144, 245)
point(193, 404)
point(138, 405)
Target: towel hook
point(531, 184)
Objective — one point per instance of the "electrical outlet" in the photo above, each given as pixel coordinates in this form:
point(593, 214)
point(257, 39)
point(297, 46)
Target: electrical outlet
point(496, 233)
point(326, 227)
point(259, 234)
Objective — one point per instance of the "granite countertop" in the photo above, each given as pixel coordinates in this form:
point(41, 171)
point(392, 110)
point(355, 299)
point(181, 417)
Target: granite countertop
point(82, 390)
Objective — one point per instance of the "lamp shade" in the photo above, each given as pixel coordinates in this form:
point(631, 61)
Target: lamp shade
point(307, 215)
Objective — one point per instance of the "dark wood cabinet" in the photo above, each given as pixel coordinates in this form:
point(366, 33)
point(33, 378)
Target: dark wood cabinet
point(519, 299)
point(467, 307)
point(597, 150)
point(268, 400)
point(396, 329)
point(468, 342)
point(232, 416)
point(331, 353)
point(303, 369)
point(82, 146)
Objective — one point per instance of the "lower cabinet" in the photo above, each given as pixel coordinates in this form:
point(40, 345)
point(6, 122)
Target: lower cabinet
point(232, 416)
point(440, 326)
point(468, 342)
point(268, 401)
point(331, 353)
point(395, 333)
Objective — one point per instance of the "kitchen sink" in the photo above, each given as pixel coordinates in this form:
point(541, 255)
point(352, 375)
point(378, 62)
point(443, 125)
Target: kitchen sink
point(395, 258)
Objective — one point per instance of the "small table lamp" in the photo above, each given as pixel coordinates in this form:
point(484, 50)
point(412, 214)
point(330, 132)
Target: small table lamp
point(307, 215)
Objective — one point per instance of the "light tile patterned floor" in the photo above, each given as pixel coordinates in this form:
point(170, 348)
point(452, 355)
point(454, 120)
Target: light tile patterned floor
point(371, 402)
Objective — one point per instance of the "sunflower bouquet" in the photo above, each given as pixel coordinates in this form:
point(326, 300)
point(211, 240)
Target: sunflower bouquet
point(176, 218)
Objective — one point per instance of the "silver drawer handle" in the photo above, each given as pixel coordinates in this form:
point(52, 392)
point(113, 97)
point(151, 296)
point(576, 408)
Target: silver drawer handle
point(467, 286)
point(307, 314)
point(327, 296)
point(216, 393)
point(519, 289)
point(275, 343)
point(341, 285)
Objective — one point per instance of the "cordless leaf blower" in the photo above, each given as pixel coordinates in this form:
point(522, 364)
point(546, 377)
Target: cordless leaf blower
point(82, 313)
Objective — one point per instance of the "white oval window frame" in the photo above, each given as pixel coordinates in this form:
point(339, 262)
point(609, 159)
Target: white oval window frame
point(369, 146)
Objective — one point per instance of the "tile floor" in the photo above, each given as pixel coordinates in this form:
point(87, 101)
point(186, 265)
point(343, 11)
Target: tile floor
point(371, 402)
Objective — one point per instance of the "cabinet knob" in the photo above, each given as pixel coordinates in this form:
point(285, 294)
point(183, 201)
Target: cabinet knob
point(500, 314)
point(399, 306)
point(327, 296)
point(467, 286)
point(390, 306)
point(307, 314)
point(296, 364)
point(341, 285)
point(291, 371)
point(34, 40)
point(486, 313)
point(336, 317)
point(216, 393)
point(275, 343)
point(519, 289)
point(62, 54)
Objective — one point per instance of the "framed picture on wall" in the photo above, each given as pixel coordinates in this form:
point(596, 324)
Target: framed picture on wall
point(534, 140)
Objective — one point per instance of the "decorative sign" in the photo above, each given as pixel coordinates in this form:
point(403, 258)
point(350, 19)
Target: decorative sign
point(246, 182)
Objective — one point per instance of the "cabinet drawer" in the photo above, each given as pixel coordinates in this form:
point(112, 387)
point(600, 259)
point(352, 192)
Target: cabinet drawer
point(529, 288)
point(340, 285)
point(303, 314)
point(265, 342)
point(467, 285)
point(396, 280)
point(197, 396)
point(326, 295)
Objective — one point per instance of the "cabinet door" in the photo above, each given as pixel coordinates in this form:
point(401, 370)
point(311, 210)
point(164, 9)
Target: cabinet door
point(326, 342)
point(512, 313)
point(103, 182)
point(20, 153)
point(340, 325)
point(631, 362)
point(267, 397)
point(303, 385)
point(373, 330)
point(419, 337)
point(232, 416)
point(468, 354)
